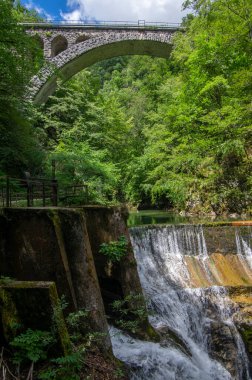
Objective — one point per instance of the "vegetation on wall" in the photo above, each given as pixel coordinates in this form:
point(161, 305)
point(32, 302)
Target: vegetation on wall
point(114, 250)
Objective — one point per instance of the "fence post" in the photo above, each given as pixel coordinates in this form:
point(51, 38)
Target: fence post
point(54, 192)
point(43, 193)
point(28, 196)
point(29, 189)
point(86, 193)
point(54, 185)
point(7, 191)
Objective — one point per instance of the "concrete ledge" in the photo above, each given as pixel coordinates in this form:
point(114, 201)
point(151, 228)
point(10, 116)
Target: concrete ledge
point(34, 305)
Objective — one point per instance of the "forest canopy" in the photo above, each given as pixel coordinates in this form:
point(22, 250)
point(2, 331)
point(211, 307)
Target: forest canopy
point(141, 130)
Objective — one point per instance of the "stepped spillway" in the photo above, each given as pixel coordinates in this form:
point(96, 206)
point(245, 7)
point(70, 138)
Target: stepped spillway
point(194, 295)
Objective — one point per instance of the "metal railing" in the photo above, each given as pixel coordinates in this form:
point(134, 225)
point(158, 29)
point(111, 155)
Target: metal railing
point(140, 24)
point(39, 192)
point(71, 194)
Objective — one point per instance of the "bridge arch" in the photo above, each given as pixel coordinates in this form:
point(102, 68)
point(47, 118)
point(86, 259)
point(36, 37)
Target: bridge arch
point(97, 47)
point(81, 38)
point(58, 44)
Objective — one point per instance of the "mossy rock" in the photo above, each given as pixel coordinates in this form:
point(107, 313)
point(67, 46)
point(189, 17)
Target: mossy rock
point(246, 333)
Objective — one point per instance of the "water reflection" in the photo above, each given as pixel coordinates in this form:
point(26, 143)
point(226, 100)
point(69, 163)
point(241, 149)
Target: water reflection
point(137, 218)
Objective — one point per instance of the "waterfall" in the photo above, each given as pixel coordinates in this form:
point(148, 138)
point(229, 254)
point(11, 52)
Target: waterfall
point(244, 243)
point(200, 318)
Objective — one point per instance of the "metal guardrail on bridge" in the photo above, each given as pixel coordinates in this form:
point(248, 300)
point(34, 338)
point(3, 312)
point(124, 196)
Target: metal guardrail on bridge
point(140, 24)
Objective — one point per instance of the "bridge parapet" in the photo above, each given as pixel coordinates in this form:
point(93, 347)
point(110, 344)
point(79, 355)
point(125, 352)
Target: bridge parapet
point(57, 37)
point(140, 24)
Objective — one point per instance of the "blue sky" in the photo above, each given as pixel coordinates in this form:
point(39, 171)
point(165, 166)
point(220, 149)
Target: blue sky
point(109, 10)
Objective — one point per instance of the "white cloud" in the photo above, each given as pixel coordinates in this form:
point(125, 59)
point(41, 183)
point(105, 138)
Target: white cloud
point(71, 16)
point(41, 11)
point(125, 10)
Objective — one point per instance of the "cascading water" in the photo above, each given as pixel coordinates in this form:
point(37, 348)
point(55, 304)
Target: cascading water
point(208, 344)
point(244, 244)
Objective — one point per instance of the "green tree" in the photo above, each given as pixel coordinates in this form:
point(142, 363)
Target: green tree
point(18, 147)
point(175, 133)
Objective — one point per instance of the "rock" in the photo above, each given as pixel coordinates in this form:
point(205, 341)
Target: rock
point(223, 347)
point(171, 338)
point(242, 317)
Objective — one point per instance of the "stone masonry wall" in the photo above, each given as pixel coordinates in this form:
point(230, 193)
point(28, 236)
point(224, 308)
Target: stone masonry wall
point(97, 45)
point(107, 36)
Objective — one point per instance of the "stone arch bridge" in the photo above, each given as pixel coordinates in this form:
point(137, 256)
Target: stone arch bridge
point(69, 48)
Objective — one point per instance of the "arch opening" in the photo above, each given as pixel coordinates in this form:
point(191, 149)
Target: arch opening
point(78, 59)
point(81, 38)
point(59, 44)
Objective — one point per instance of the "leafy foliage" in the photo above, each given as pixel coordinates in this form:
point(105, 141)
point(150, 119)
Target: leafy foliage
point(67, 368)
point(31, 345)
point(130, 318)
point(160, 128)
point(20, 57)
point(115, 250)
point(171, 133)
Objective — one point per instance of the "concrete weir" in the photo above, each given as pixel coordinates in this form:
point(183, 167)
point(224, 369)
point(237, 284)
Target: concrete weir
point(62, 245)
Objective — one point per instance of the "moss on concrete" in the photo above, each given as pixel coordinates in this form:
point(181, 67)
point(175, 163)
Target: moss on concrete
point(9, 316)
point(35, 305)
point(60, 239)
point(52, 244)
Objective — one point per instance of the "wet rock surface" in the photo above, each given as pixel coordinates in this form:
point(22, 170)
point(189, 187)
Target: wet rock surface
point(223, 346)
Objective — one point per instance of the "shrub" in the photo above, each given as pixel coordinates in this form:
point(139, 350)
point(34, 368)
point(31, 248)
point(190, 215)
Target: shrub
point(114, 250)
point(32, 345)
